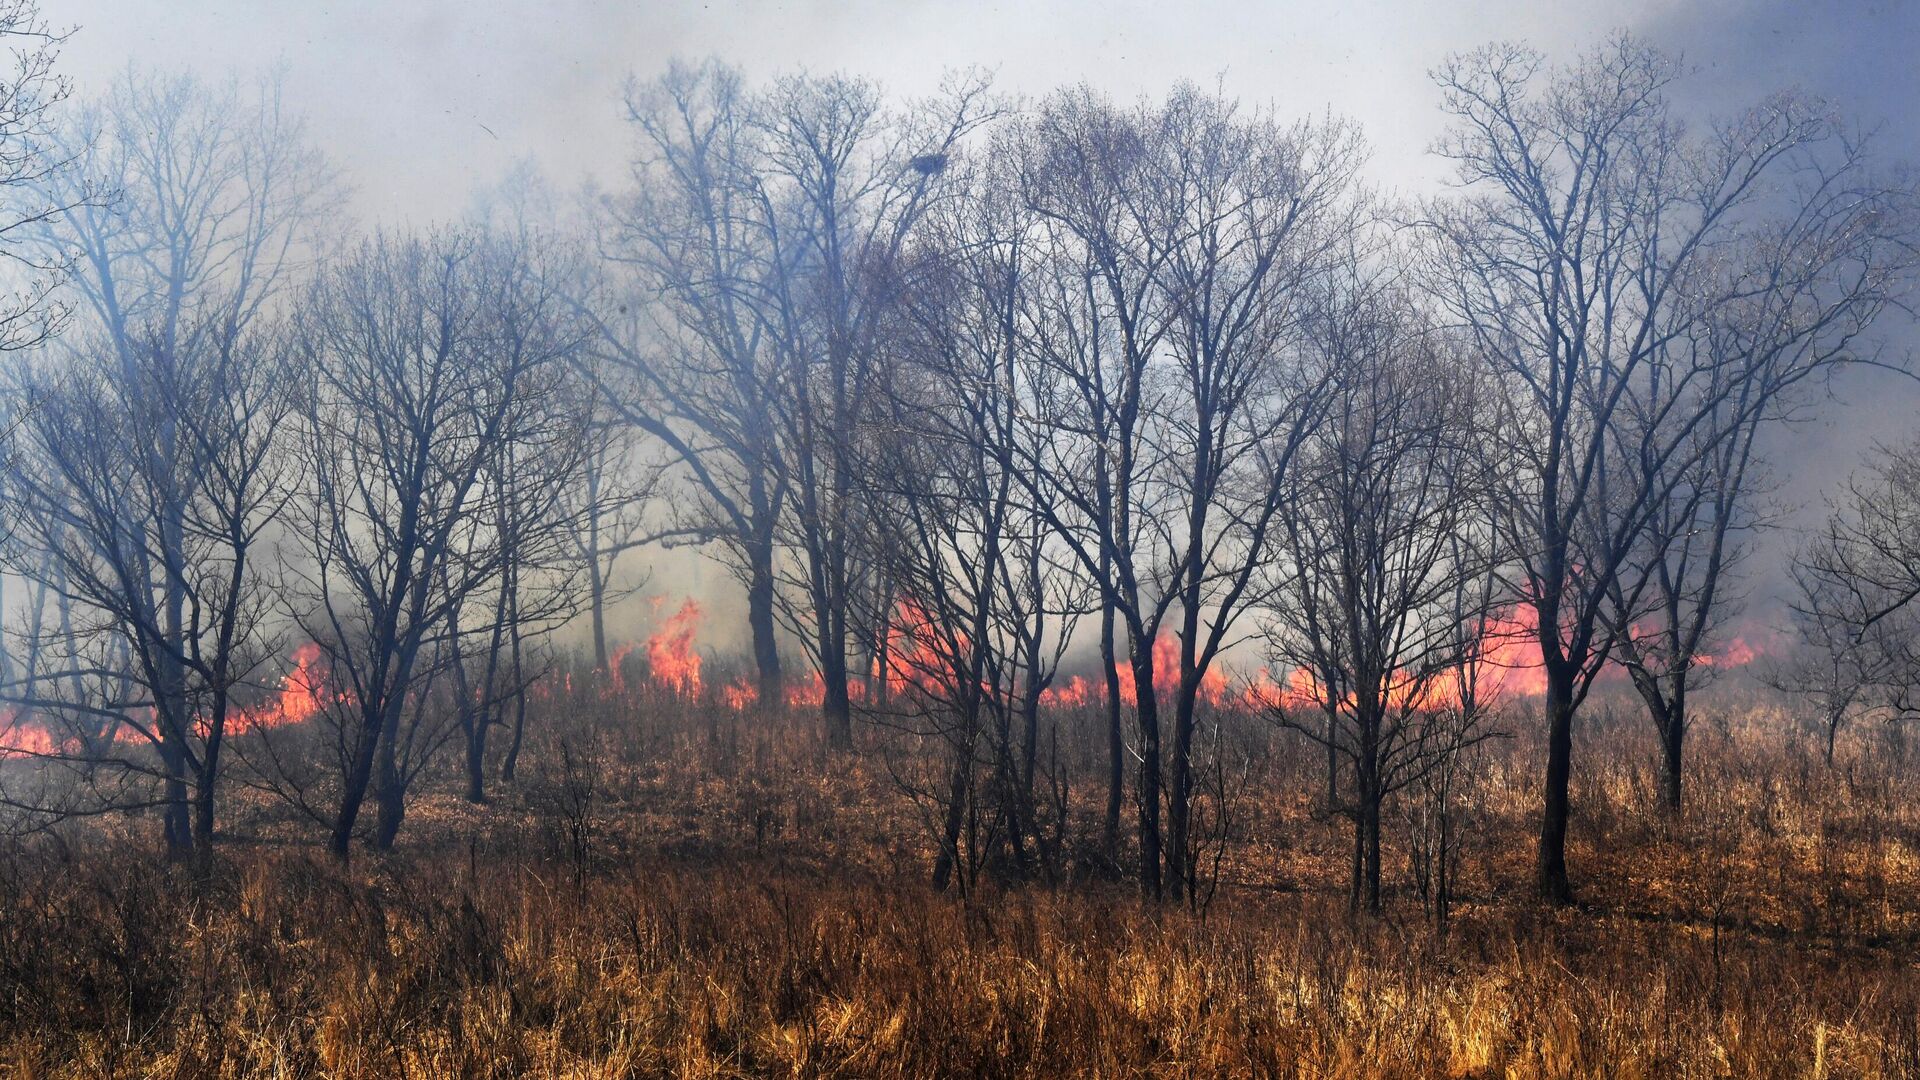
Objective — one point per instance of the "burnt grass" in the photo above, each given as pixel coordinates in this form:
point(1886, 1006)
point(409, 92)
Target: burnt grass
point(732, 899)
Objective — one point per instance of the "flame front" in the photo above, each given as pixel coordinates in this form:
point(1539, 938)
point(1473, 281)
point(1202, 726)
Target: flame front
point(671, 657)
point(302, 694)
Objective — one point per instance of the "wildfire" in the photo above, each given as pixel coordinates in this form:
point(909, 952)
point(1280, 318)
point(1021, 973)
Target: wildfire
point(739, 695)
point(1075, 693)
point(671, 657)
point(808, 695)
point(1506, 667)
point(1738, 654)
point(301, 694)
point(616, 669)
point(18, 739)
point(300, 690)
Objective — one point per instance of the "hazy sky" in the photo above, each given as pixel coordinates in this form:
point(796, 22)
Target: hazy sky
point(421, 102)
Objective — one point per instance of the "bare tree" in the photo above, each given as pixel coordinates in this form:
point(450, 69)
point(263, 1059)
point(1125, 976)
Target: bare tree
point(1837, 665)
point(984, 608)
point(155, 474)
point(535, 522)
point(610, 506)
point(1593, 246)
point(427, 357)
point(1176, 380)
point(154, 495)
point(1095, 322)
point(38, 181)
point(1856, 583)
point(690, 329)
point(1801, 294)
point(1386, 535)
point(843, 183)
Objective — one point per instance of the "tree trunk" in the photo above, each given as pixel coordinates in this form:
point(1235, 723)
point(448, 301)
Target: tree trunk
point(1116, 739)
point(1673, 736)
point(203, 814)
point(1180, 797)
point(835, 704)
point(1370, 827)
point(760, 621)
point(389, 792)
point(1147, 714)
point(477, 758)
point(1368, 797)
point(1668, 710)
point(1550, 871)
point(948, 858)
point(1011, 809)
point(1356, 865)
point(1333, 762)
point(597, 606)
point(353, 789)
point(177, 817)
point(516, 658)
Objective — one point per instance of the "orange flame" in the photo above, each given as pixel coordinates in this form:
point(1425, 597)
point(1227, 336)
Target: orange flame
point(809, 694)
point(1737, 654)
point(18, 739)
point(671, 657)
point(739, 695)
point(300, 690)
point(1075, 693)
point(302, 694)
point(616, 668)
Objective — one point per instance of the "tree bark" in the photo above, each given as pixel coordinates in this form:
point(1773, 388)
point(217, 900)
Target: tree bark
point(389, 792)
point(1147, 714)
point(760, 622)
point(177, 817)
point(949, 856)
point(353, 793)
point(1116, 739)
point(1180, 797)
point(1550, 871)
point(835, 705)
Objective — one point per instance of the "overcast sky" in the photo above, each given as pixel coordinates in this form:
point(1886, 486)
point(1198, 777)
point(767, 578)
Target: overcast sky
point(420, 102)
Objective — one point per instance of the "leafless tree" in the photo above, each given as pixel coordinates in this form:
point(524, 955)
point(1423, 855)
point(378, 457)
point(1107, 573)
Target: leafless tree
point(1185, 231)
point(690, 327)
point(844, 181)
point(1856, 582)
point(536, 519)
point(611, 505)
point(154, 491)
point(1835, 665)
point(38, 181)
point(1805, 292)
point(619, 476)
point(153, 478)
point(1095, 322)
point(1386, 535)
point(984, 607)
point(427, 358)
point(1594, 248)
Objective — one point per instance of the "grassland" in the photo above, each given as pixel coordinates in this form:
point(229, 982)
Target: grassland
point(727, 898)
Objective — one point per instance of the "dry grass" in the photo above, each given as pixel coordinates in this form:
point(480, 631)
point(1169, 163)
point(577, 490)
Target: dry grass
point(751, 907)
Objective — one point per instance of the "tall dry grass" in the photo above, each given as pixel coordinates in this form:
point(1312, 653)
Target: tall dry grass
point(720, 897)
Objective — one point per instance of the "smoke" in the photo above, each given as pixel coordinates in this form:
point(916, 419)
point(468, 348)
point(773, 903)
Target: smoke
point(1857, 55)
